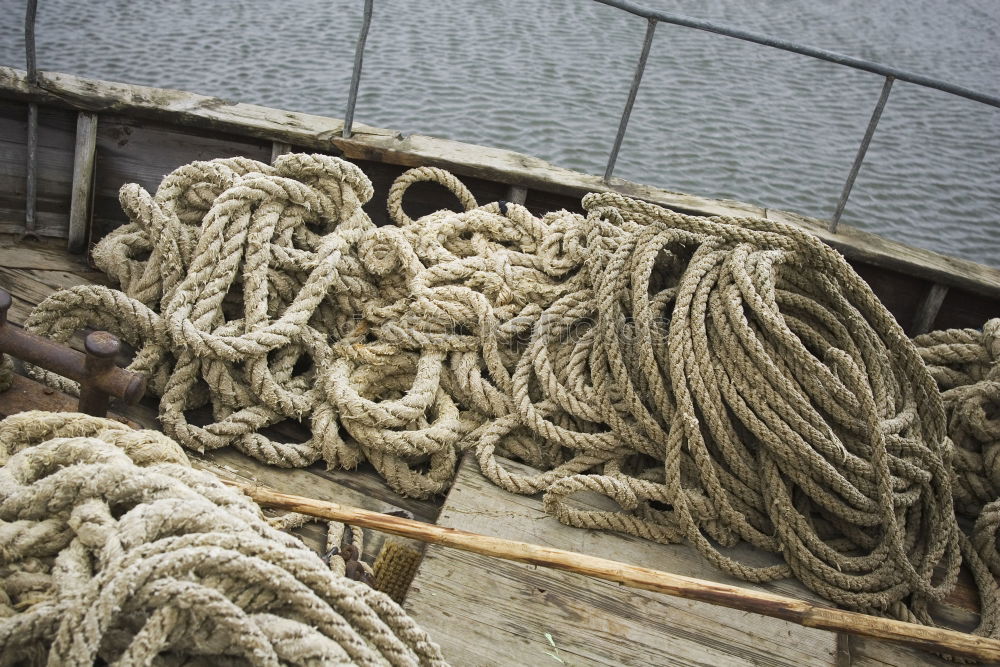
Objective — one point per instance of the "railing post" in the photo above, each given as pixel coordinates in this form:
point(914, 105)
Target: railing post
point(860, 157)
point(636, 80)
point(31, 179)
point(359, 56)
point(29, 40)
point(82, 193)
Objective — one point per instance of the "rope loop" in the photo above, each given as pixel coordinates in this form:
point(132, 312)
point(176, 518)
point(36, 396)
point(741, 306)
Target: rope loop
point(718, 379)
point(115, 550)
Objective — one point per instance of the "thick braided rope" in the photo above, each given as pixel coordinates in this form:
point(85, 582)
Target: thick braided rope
point(755, 390)
point(966, 365)
point(112, 548)
point(6, 372)
point(242, 289)
point(719, 379)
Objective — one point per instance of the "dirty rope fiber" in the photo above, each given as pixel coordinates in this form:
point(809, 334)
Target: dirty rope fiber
point(112, 547)
point(719, 379)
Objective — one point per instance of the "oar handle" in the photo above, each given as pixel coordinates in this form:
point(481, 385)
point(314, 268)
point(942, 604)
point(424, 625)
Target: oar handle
point(768, 604)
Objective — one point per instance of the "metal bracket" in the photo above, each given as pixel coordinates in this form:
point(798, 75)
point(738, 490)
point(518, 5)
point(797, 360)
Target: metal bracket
point(96, 371)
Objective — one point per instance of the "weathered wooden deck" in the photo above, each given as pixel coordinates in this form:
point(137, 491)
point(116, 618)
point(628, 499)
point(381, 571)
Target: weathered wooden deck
point(485, 611)
point(488, 612)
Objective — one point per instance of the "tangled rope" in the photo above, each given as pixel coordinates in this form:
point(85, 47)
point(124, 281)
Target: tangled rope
point(113, 548)
point(6, 372)
point(720, 379)
point(966, 365)
point(245, 288)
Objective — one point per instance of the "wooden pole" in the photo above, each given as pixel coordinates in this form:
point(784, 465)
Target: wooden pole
point(759, 602)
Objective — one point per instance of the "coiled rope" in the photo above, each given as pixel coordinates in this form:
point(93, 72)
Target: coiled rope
point(719, 379)
point(966, 365)
point(242, 285)
point(6, 372)
point(112, 547)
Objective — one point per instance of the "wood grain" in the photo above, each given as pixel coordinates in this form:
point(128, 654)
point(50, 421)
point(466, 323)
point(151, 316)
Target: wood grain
point(81, 203)
point(56, 136)
point(743, 599)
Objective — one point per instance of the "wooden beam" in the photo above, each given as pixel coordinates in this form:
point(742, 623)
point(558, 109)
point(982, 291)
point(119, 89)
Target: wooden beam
point(758, 602)
point(844, 658)
point(517, 194)
point(83, 181)
point(279, 148)
point(928, 309)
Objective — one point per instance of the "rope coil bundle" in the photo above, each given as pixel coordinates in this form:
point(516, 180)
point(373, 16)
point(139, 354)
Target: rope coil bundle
point(966, 365)
point(242, 283)
point(114, 548)
point(720, 379)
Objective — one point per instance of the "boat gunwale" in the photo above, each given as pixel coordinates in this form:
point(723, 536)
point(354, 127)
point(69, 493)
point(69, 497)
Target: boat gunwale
point(302, 130)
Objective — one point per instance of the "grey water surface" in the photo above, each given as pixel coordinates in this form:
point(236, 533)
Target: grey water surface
point(714, 117)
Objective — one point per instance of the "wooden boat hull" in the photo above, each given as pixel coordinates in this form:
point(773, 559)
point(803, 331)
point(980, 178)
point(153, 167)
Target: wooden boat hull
point(94, 136)
point(142, 133)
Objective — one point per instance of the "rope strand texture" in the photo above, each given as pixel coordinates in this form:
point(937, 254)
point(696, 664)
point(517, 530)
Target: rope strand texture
point(966, 365)
point(736, 380)
point(114, 549)
point(721, 380)
point(243, 288)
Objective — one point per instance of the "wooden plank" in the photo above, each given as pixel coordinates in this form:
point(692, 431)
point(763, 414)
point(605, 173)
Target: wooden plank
point(965, 309)
point(316, 132)
point(517, 194)
point(134, 151)
point(30, 287)
point(279, 148)
point(487, 612)
point(804, 613)
point(177, 107)
point(83, 181)
point(46, 254)
point(928, 309)
point(899, 293)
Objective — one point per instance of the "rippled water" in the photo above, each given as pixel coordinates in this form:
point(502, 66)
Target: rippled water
point(715, 116)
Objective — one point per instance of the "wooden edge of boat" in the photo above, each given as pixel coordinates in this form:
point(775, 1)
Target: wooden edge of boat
point(312, 132)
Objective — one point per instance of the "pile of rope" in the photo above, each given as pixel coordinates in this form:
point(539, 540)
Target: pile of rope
point(966, 365)
point(113, 548)
point(247, 288)
point(6, 372)
point(721, 380)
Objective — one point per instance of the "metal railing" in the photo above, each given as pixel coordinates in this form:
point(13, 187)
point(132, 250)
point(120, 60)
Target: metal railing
point(652, 17)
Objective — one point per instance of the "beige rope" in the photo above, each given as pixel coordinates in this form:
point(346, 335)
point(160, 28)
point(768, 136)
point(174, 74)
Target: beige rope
point(966, 365)
point(243, 287)
point(721, 380)
point(6, 372)
point(113, 548)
